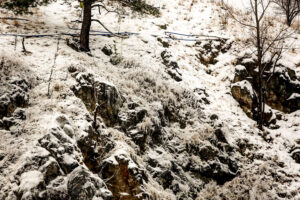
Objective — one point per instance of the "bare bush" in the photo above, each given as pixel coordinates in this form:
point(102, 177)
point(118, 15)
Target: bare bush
point(290, 8)
point(267, 40)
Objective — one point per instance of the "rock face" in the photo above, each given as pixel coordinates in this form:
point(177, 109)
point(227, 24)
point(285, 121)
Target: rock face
point(283, 92)
point(172, 66)
point(210, 50)
point(210, 160)
point(13, 95)
point(282, 87)
point(138, 150)
point(242, 91)
point(82, 184)
point(60, 147)
point(94, 145)
point(215, 161)
point(124, 178)
point(54, 170)
point(13, 99)
point(93, 91)
point(12, 123)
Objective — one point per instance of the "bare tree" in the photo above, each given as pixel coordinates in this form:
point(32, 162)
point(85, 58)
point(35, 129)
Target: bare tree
point(290, 8)
point(268, 46)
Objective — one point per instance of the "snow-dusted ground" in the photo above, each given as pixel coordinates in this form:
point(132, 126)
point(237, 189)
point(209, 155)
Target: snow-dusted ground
point(188, 17)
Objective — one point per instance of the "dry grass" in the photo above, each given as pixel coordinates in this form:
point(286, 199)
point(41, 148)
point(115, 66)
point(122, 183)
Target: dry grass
point(4, 21)
point(16, 23)
point(296, 25)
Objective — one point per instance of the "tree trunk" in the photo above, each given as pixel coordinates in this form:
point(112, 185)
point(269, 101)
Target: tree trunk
point(86, 26)
point(289, 21)
point(259, 65)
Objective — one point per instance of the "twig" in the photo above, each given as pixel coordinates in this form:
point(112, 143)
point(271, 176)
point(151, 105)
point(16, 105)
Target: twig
point(96, 20)
point(99, 6)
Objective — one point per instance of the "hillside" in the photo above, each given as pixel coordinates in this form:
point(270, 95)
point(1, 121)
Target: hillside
point(169, 123)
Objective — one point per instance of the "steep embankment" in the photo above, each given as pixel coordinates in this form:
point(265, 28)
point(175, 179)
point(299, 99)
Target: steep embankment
point(168, 126)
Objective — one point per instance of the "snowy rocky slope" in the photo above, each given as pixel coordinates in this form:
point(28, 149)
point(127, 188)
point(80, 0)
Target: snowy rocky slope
point(168, 126)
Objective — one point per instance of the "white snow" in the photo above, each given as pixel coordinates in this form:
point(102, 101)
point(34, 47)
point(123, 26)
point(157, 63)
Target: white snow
point(203, 18)
point(30, 180)
point(245, 85)
point(294, 96)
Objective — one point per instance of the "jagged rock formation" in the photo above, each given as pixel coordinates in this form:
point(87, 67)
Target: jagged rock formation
point(95, 92)
point(282, 85)
point(158, 124)
point(54, 170)
point(211, 160)
point(242, 91)
point(172, 66)
point(13, 95)
point(210, 50)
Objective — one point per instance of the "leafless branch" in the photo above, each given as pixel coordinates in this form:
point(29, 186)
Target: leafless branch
point(115, 35)
point(99, 6)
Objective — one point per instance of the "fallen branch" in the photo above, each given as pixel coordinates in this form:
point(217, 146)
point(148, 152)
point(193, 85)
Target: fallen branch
point(14, 18)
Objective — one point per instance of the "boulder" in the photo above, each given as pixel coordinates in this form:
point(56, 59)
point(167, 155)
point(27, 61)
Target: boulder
point(172, 66)
point(283, 93)
point(52, 171)
point(296, 155)
point(220, 135)
point(210, 50)
point(240, 74)
point(84, 185)
point(57, 189)
point(166, 178)
point(107, 50)
point(130, 118)
point(164, 42)
point(202, 95)
point(138, 137)
point(61, 148)
point(282, 87)
point(217, 171)
point(115, 60)
point(212, 162)
point(38, 170)
point(12, 123)
point(31, 183)
point(13, 96)
point(214, 117)
point(244, 94)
